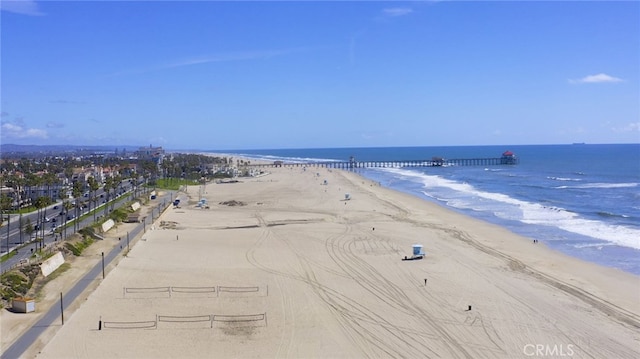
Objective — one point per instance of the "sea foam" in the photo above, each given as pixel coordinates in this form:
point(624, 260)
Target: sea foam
point(465, 196)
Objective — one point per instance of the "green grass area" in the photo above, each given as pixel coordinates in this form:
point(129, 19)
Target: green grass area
point(174, 183)
point(78, 247)
point(7, 256)
point(18, 282)
point(23, 210)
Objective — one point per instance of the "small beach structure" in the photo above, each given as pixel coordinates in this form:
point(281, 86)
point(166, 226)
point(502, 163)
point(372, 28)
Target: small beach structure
point(508, 158)
point(418, 253)
point(24, 305)
point(202, 204)
point(347, 196)
point(133, 217)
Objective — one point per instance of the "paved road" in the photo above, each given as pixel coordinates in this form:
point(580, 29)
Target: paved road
point(25, 253)
point(54, 212)
point(31, 335)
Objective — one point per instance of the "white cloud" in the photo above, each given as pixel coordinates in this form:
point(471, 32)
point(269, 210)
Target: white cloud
point(23, 7)
point(68, 102)
point(397, 11)
point(599, 78)
point(53, 124)
point(10, 130)
point(630, 127)
point(223, 57)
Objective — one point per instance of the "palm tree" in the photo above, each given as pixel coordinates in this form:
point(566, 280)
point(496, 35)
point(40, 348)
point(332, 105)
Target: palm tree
point(93, 188)
point(41, 202)
point(28, 229)
point(31, 180)
point(165, 171)
point(18, 186)
point(5, 205)
point(117, 180)
point(68, 173)
point(131, 180)
point(67, 207)
point(108, 184)
point(49, 179)
point(76, 193)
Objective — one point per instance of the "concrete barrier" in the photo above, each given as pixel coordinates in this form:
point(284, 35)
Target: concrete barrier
point(135, 206)
point(47, 267)
point(107, 225)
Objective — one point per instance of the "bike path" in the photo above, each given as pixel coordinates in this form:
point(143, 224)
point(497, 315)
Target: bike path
point(29, 337)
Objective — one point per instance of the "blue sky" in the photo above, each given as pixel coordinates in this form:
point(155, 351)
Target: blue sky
point(257, 75)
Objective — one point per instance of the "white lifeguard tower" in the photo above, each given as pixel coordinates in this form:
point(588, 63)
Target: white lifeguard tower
point(417, 250)
point(418, 253)
point(202, 204)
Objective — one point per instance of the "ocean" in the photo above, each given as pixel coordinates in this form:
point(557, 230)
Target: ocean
point(580, 199)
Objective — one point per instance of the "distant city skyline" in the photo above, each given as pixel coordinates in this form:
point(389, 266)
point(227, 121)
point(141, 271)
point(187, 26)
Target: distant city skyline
point(214, 75)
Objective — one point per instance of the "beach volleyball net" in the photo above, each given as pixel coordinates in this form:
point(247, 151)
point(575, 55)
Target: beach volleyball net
point(146, 292)
point(204, 291)
point(223, 290)
point(148, 324)
point(164, 292)
point(191, 322)
point(185, 321)
point(254, 320)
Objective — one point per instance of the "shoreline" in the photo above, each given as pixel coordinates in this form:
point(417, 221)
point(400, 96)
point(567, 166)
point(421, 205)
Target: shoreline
point(578, 230)
point(565, 247)
point(541, 256)
point(335, 241)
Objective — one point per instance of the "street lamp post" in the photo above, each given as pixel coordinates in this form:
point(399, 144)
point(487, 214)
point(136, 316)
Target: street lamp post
point(8, 234)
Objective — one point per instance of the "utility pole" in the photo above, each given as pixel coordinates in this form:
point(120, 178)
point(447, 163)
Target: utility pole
point(61, 309)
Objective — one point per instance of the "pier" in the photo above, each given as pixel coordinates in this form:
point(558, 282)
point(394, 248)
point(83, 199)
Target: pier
point(507, 158)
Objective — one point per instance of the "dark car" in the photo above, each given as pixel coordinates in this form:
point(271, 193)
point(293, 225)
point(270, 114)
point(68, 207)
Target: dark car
point(70, 217)
point(55, 207)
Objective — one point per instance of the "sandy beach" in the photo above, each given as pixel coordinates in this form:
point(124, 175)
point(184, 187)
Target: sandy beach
point(284, 266)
